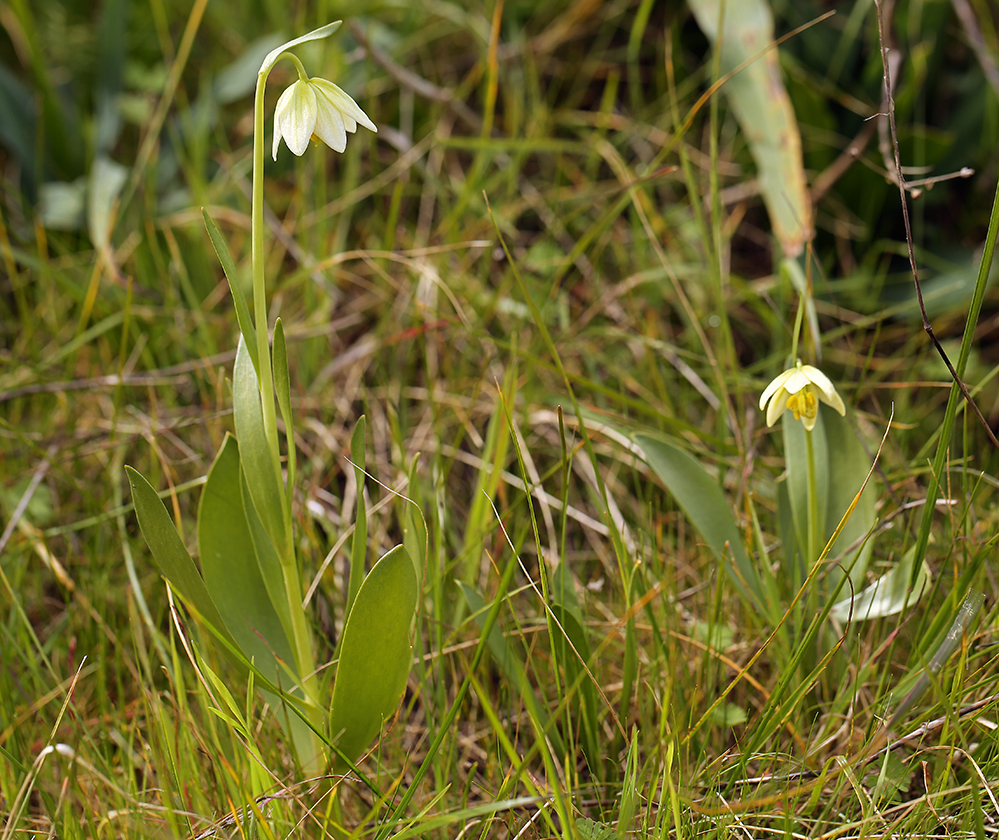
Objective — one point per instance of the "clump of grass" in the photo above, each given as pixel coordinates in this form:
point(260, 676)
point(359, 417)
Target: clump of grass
point(508, 282)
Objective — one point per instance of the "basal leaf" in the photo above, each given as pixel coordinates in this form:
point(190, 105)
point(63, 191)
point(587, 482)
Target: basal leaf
point(702, 500)
point(849, 465)
point(414, 529)
point(796, 458)
point(168, 551)
point(375, 653)
point(262, 474)
point(742, 29)
point(232, 574)
point(888, 595)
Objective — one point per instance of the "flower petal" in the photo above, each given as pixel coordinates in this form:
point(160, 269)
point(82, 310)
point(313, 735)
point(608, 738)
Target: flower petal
point(773, 387)
point(826, 390)
point(819, 379)
point(348, 108)
point(777, 406)
point(808, 420)
point(295, 117)
point(797, 379)
point(330, 126)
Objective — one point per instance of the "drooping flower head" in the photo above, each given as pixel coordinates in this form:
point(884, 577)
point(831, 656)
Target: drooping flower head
point(316, 109)
point(799, 389)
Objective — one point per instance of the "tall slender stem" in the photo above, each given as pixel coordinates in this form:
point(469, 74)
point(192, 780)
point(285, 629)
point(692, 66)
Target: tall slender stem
point(257, 268)
point(302, 641)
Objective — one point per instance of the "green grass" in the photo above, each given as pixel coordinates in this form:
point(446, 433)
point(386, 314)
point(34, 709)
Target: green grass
point(500, 389)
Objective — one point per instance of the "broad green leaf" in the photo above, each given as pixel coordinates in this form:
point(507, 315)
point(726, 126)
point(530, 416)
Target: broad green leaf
point(263, 476)
point(796, 459)
point(111, 45)
point(760, 102)
point(375, 654)
point(888, 595)
point(104, 184)
point(359, 544)
point(588, 829)
point(171, 556)
point(729, 714)
point(17, 128)
point(848, 466)
point(566, 610)
point(243, 317)
point(494, 454)
point(232, 574)
point(267, 557)
point(702, 500)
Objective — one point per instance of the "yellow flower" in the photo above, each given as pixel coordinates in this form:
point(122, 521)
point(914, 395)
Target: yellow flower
point(799, 389)
point(316, 109)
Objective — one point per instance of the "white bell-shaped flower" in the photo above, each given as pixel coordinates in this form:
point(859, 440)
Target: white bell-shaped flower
point(316, 109)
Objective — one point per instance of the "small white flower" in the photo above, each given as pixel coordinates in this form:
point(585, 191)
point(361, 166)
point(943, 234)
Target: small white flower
point(316, 109)
point(799, 389)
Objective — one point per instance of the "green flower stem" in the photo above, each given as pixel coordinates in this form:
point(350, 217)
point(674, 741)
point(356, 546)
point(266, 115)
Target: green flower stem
point(302, 641)
point(264, 374)
point(298, 65)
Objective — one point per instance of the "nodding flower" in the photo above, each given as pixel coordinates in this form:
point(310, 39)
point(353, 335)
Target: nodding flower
point(799, 389)
point(315, 109)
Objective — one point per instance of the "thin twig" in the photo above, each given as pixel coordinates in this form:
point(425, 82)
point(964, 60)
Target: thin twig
point(900, 179)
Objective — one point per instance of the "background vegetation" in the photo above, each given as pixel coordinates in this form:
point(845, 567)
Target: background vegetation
point(542, 210)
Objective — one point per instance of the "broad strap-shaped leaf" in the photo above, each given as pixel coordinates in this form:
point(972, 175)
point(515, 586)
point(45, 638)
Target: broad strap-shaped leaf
point(171, 556)
point(702, 500)
point(262, 475)
point(888, 595)
point(760, 102)
point(375, 653)
point(267, 557)
point(232, 573)
point(849, 465)
point(796, 458)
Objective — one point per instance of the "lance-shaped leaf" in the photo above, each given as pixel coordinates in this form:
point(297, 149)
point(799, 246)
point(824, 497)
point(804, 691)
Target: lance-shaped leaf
point(375, 654)
point(262, 475)
point(702, 500)
point(233, 575)
point(760, 102)
point(171, 556)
